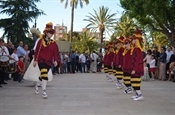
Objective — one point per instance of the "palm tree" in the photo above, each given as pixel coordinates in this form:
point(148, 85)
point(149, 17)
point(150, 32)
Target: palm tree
point(160, 39)
point(73, 5)
point(101, 20)
point(124, 27)
point(84, 42)
point(20, 13)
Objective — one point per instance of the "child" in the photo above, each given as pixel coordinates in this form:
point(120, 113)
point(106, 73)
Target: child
point(146, 73)
point(20, 68)
point(152, 67)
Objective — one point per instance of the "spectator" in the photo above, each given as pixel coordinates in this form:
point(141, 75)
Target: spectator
point(156, 55)
point(152, 67)
point(82, 59)
point(21, 69)
point(171, 66)
point(20, 50)
point(147, 59)
point(93, 65)
point(162, 64)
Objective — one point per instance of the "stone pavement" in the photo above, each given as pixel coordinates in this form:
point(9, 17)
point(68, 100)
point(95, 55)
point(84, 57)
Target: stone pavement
point(86, 94)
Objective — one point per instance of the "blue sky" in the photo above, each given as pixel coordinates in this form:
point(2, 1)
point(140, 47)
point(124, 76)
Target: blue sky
point(56, 13)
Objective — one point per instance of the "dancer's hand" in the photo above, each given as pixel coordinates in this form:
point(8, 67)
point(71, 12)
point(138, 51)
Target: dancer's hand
point(55, 63)
point(34, 63)
point(133, 72)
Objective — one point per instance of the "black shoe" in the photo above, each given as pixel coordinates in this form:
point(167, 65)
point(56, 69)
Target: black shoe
point(3, 83)
point(0, 85)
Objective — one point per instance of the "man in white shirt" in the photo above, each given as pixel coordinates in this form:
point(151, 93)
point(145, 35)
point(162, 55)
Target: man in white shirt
point(169, 52)
point(82, 60)
point(94, 58)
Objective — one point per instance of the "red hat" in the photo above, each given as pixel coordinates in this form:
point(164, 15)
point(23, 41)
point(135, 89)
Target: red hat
point(120, 39)
point(49, 28)
point(137, 35)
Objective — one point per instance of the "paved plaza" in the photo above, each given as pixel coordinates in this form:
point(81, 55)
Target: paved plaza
point(86, 94)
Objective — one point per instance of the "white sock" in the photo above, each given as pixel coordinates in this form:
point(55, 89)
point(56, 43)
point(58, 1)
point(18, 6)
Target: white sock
point(44, 84)
point(38, 83)
point(139, 92)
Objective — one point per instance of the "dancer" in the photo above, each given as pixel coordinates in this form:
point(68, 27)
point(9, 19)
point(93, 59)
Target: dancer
point(46, 51)
point(105, 61)
point(118, 62)
point(127, 66)
point(109, 61)
point(137, 64)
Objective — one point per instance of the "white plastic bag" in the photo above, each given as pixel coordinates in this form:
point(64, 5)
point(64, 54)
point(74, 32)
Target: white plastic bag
point(33, 73)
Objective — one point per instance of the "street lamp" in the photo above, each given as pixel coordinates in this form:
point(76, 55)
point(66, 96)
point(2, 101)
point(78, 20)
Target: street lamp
point(35, 32)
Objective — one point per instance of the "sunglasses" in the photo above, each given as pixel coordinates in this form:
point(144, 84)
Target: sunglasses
point(126, 43)
point(51, 32)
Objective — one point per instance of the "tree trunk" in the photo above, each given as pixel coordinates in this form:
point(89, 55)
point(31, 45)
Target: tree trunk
point(101, 40)
point(173, 39)
point(72, 20)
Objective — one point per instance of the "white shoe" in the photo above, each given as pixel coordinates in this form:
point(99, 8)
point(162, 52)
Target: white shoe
point(129, 90)
point(138, 98)
point(135, 96)
point(110, 80)
point(36, 89)
point(44, 95)
point(119, 85)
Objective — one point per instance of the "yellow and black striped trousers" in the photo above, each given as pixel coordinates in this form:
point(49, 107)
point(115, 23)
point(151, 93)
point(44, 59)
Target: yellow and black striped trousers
point(119, 73)
point(44, 68)
point(135, 82)
point(110, 70)
point(105, 69)
point(127, 79)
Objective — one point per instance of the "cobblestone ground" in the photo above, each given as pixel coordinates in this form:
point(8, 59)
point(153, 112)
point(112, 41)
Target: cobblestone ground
point(86, 94)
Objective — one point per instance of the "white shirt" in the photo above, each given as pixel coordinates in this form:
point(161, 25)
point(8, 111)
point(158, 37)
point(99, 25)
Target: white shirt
point(168, 55)
point(82, 58)
point(36, 44)
point(147, 59)
point(152, 63)
point(14, 56)
point(4, 50)
point(94, 56)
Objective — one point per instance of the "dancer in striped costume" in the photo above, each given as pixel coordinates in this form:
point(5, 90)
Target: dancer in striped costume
point(137, 64)
point(105, 61)
point(118, 62)
point(46, 53)
point(127, 66)
point(109, 61)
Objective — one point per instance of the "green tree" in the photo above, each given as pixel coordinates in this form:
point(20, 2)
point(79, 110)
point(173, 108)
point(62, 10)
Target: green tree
point(73, 5)
point(158, 15)
point(159, 39)
point(84, 42)
point(102, 20)
point(124, 27)
point(20, 13)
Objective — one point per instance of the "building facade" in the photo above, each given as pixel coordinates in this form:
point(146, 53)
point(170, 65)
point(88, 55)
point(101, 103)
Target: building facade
point(60, 32)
